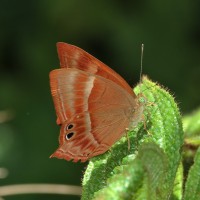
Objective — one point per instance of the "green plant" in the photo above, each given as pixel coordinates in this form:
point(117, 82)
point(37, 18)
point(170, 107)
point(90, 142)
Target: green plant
point(152, 167)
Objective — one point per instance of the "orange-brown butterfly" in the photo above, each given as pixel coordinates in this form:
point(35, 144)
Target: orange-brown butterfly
point(94, 104)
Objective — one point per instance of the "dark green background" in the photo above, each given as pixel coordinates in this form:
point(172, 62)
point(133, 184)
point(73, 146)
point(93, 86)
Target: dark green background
point(112, 31)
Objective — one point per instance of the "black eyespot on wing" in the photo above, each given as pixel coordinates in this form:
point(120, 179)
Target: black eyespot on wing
point(70, 126)
point(69, 135)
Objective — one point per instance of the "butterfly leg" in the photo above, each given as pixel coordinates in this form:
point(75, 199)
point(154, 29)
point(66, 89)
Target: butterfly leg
point(128, 139)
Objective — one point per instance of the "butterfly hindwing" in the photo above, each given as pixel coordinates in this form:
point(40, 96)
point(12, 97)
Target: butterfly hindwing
point(98, 109)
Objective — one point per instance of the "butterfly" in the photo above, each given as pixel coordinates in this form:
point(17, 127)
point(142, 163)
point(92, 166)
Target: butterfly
point(94, 105)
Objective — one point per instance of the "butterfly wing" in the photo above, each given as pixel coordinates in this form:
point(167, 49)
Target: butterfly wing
point(74, 57)
point(97, 110)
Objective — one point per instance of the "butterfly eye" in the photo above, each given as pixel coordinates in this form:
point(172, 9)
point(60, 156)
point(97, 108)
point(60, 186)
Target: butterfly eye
point(69, 135)
point(70, 126)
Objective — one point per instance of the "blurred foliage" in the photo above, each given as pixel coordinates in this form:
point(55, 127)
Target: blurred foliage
point(110, 30)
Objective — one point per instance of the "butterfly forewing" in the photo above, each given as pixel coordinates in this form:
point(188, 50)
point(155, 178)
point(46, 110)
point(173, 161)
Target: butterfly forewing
point(73, 57)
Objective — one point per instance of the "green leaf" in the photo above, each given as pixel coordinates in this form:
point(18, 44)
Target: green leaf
point(163, 127)
point(192, 188)
point(178, 184)
point(141, 178)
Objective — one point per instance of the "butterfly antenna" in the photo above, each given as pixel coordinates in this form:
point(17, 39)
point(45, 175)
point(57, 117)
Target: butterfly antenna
point(141, 62)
